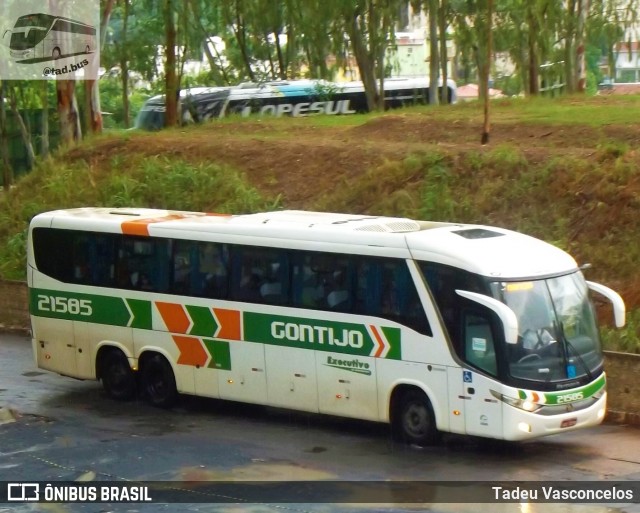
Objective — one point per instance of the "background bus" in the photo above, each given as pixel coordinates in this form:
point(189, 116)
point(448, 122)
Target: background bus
point(432, 327)
point(285, 98)
point(48, 37)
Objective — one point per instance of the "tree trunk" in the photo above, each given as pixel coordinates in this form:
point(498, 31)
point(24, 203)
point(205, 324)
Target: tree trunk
point(364, 61)
point(93, 112)
point(282, 71)
point(534, 86)
point(444, 58)
point(569, 36)
point(487, 71)
point(124, 65)
point(70, 131)
point(44, 145)
point(7, 170)
point(171, 82)
point(92, 109)
point(581, 82)
point(274, 75)
point(24, 131)
point(241, 37)
point(433, 52)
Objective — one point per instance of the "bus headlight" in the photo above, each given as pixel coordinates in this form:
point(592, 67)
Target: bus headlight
point(521, 404)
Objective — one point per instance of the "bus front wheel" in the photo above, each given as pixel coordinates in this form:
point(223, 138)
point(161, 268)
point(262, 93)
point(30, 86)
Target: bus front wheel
point(158, 383)
point(56, 53)
point(118, 379)
point(413, 420)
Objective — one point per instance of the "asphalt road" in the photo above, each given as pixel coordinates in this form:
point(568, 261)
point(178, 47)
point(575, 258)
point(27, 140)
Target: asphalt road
point(69, 430)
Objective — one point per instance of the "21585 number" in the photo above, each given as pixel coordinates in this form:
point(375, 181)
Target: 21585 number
point(64, 305)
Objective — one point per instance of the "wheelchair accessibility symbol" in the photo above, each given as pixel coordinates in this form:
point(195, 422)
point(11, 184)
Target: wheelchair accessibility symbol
point(467, 377)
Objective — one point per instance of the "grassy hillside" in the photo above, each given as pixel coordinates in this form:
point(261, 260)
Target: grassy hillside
point(565, 171)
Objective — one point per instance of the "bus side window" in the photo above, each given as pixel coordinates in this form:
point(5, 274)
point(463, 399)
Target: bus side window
point(213, 269)
point(307, 287)
point(443, 281)
point(338, 281)
point(479, 348)
point(259, 275)
point(386, 289)
point(50, 259)
point(143, 264)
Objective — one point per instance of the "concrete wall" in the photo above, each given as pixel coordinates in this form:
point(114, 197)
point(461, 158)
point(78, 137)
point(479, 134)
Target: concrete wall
point(14, 305)
point(623, 387)
point(622, 368)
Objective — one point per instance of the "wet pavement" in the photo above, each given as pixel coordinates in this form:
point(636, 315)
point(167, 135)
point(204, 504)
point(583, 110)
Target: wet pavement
point(68, 430)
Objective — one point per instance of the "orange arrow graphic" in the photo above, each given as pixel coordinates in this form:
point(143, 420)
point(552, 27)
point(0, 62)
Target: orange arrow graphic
point(174, 317)
point(229, 322)
point(191, 351)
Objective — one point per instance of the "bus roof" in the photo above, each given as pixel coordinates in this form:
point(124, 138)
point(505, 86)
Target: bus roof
point(489, 251)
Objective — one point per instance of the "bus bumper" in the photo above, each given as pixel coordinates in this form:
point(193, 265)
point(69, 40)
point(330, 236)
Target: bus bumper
point(522, 425)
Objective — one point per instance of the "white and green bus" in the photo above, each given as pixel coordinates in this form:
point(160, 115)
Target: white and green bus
point(431, 327)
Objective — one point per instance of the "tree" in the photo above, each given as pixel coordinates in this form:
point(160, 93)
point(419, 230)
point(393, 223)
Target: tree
point(171, 77)
point(93, 112)
point(486, 70)
point(25, 133)
point(123, 48)
point(443, 15)
point(234, 14)
point(433, 52)
point(70, 131)
point(369, 25)
point(7, 170)
point(319, 35)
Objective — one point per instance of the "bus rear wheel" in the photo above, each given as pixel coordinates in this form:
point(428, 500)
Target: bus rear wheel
point(413, 420)
point(118, 379)
point(158, 383)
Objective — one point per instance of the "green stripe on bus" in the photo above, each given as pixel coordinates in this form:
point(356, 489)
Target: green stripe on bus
point(204, 324)
point(577, 394)
point(393, 336)
point(321, 335)
point(73, 306)
point(220, 354)
point(141, 311)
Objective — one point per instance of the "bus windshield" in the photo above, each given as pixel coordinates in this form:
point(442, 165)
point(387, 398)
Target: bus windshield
point(23, 39)
point(29, 30)
point(558, 339)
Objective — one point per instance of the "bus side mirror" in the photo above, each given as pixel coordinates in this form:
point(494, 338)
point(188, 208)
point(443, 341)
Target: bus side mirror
point(506, 315)
point(619, 310)
point(6, 39)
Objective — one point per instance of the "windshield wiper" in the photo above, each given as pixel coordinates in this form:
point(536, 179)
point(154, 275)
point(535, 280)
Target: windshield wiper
point(560, 330)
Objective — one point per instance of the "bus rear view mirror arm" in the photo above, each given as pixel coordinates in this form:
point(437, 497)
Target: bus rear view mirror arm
point(506, 315)
point(617, 302)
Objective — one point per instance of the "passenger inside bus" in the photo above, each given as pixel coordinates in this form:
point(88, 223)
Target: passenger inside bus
point(213, 270)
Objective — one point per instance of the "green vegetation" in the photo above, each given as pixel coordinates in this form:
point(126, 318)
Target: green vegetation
point(160, 182)
point(576, 187)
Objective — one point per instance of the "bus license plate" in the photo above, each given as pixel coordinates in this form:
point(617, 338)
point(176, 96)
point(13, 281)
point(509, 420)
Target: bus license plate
point(568, 423)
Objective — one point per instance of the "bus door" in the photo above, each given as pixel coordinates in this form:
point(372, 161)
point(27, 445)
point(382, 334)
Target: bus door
point(82, 349)
point(455, 384)
point(483, 412)
point(247, 379)
point(347, 385)
point(292, 378)
point(56, 351)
